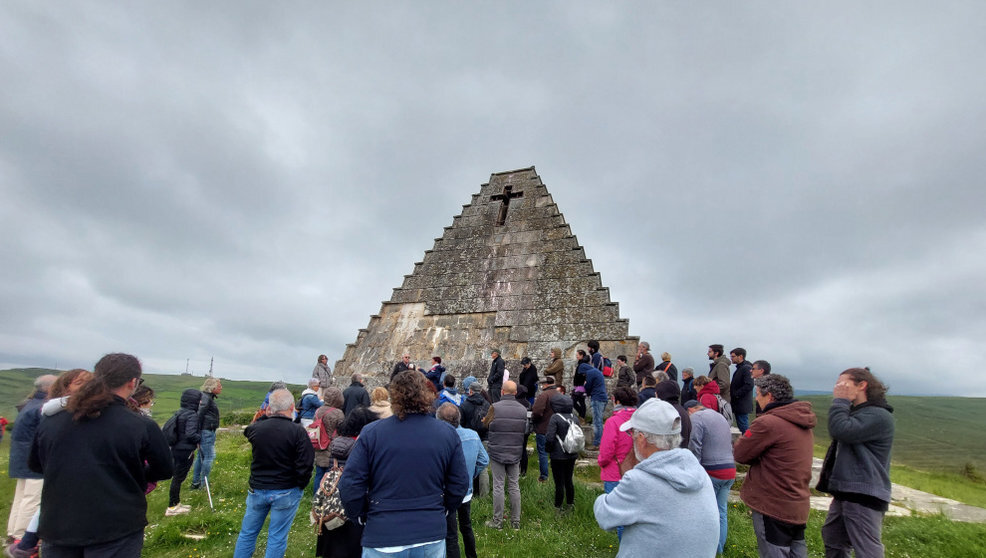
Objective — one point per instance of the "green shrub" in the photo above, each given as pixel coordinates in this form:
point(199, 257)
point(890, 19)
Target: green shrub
point(236, 418)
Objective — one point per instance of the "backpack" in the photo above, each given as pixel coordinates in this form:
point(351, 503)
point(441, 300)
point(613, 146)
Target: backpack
point(607, 367)
point(316, 433)
point(479, 413)
point(574, 441)
point(327, 510)
point(725, 409)
point(170, 429)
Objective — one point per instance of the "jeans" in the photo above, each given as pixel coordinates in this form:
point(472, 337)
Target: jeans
point(511, 474)
point(540, 440)
point(430, 550)
point(282, 505)
point(124, 547)
point(598, 409)
point(609, 486)
point(850, 526)
point(743, 423)
point(205, 456)
point(721, 488)
point(460, 521)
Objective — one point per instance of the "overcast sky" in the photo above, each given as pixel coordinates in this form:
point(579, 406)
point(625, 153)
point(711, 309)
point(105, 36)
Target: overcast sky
point(250, 180)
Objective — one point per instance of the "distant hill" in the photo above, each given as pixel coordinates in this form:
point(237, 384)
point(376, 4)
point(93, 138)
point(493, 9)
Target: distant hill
point(932, 433)
point(237, 395)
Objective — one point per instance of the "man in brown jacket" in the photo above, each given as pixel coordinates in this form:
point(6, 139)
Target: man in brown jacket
point(541, 413)
point(643, 365)
point(557, 367)
point(719, 369)
point(778, 447)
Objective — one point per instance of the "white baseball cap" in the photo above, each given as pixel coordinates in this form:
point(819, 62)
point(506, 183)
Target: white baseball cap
point(654, 417)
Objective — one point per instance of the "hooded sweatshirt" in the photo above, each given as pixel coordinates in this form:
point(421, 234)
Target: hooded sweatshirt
point(653, 502)
point(707, 396)
point(778, 447)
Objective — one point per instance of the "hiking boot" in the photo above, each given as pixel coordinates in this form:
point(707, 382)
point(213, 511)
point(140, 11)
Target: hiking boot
point(11, 551)
point(196, 485)
point(177, 510)
point(542, 479)
point(494, 524)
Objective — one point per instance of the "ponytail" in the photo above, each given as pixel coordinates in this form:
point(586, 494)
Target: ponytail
point(110, 373)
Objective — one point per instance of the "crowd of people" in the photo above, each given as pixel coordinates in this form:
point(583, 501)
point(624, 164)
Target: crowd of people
point(402, 463)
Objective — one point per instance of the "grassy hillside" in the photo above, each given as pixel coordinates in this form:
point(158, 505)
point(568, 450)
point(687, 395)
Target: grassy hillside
point(237, 395)
point(932, 433)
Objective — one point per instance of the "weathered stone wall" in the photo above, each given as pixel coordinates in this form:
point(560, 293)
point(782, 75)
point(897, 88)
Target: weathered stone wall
point(522, 286)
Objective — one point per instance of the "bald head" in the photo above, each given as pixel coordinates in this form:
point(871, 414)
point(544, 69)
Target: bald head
point(509, 387)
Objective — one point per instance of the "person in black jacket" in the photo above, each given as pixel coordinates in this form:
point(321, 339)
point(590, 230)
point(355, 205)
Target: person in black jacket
point(562, 462)
point(404, 364)
point(281, 468)
point(741, 389)
point(687, 386)
point(182, 451)
point(97, 459)
point(494, 380)
point(355, 395)
point(649, 390)
point(529, 379)
point(473, 409)
point(208, 423)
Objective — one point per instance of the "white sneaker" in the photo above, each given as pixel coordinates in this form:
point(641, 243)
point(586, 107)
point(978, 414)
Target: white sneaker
point(177, 509)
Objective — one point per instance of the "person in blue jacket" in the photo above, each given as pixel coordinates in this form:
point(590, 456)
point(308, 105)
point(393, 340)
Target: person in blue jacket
point(404, 476)
point(595, 388)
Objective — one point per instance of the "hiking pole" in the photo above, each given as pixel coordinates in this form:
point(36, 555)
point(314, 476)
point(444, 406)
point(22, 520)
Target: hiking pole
point(208, 492)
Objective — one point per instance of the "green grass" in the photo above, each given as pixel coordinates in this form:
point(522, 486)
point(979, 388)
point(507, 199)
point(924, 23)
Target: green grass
point(949, 485)
point(543, 533)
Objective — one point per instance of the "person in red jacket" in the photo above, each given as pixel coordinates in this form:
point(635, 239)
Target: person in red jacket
point(707, 391)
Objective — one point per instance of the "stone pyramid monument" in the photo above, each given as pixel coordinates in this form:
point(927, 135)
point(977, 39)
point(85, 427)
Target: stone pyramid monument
point(508, 274)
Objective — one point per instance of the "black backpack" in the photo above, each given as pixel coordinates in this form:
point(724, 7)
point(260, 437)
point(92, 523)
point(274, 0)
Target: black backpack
point(479, 413)
point(170, 429)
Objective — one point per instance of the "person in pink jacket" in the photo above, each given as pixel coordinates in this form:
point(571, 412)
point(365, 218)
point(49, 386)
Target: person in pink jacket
point(615, 445)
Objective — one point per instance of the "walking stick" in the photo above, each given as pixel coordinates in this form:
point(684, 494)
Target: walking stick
point(208, 492)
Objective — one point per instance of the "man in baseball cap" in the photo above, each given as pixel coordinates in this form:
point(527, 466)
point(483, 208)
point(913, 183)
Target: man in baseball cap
point(667, 489)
